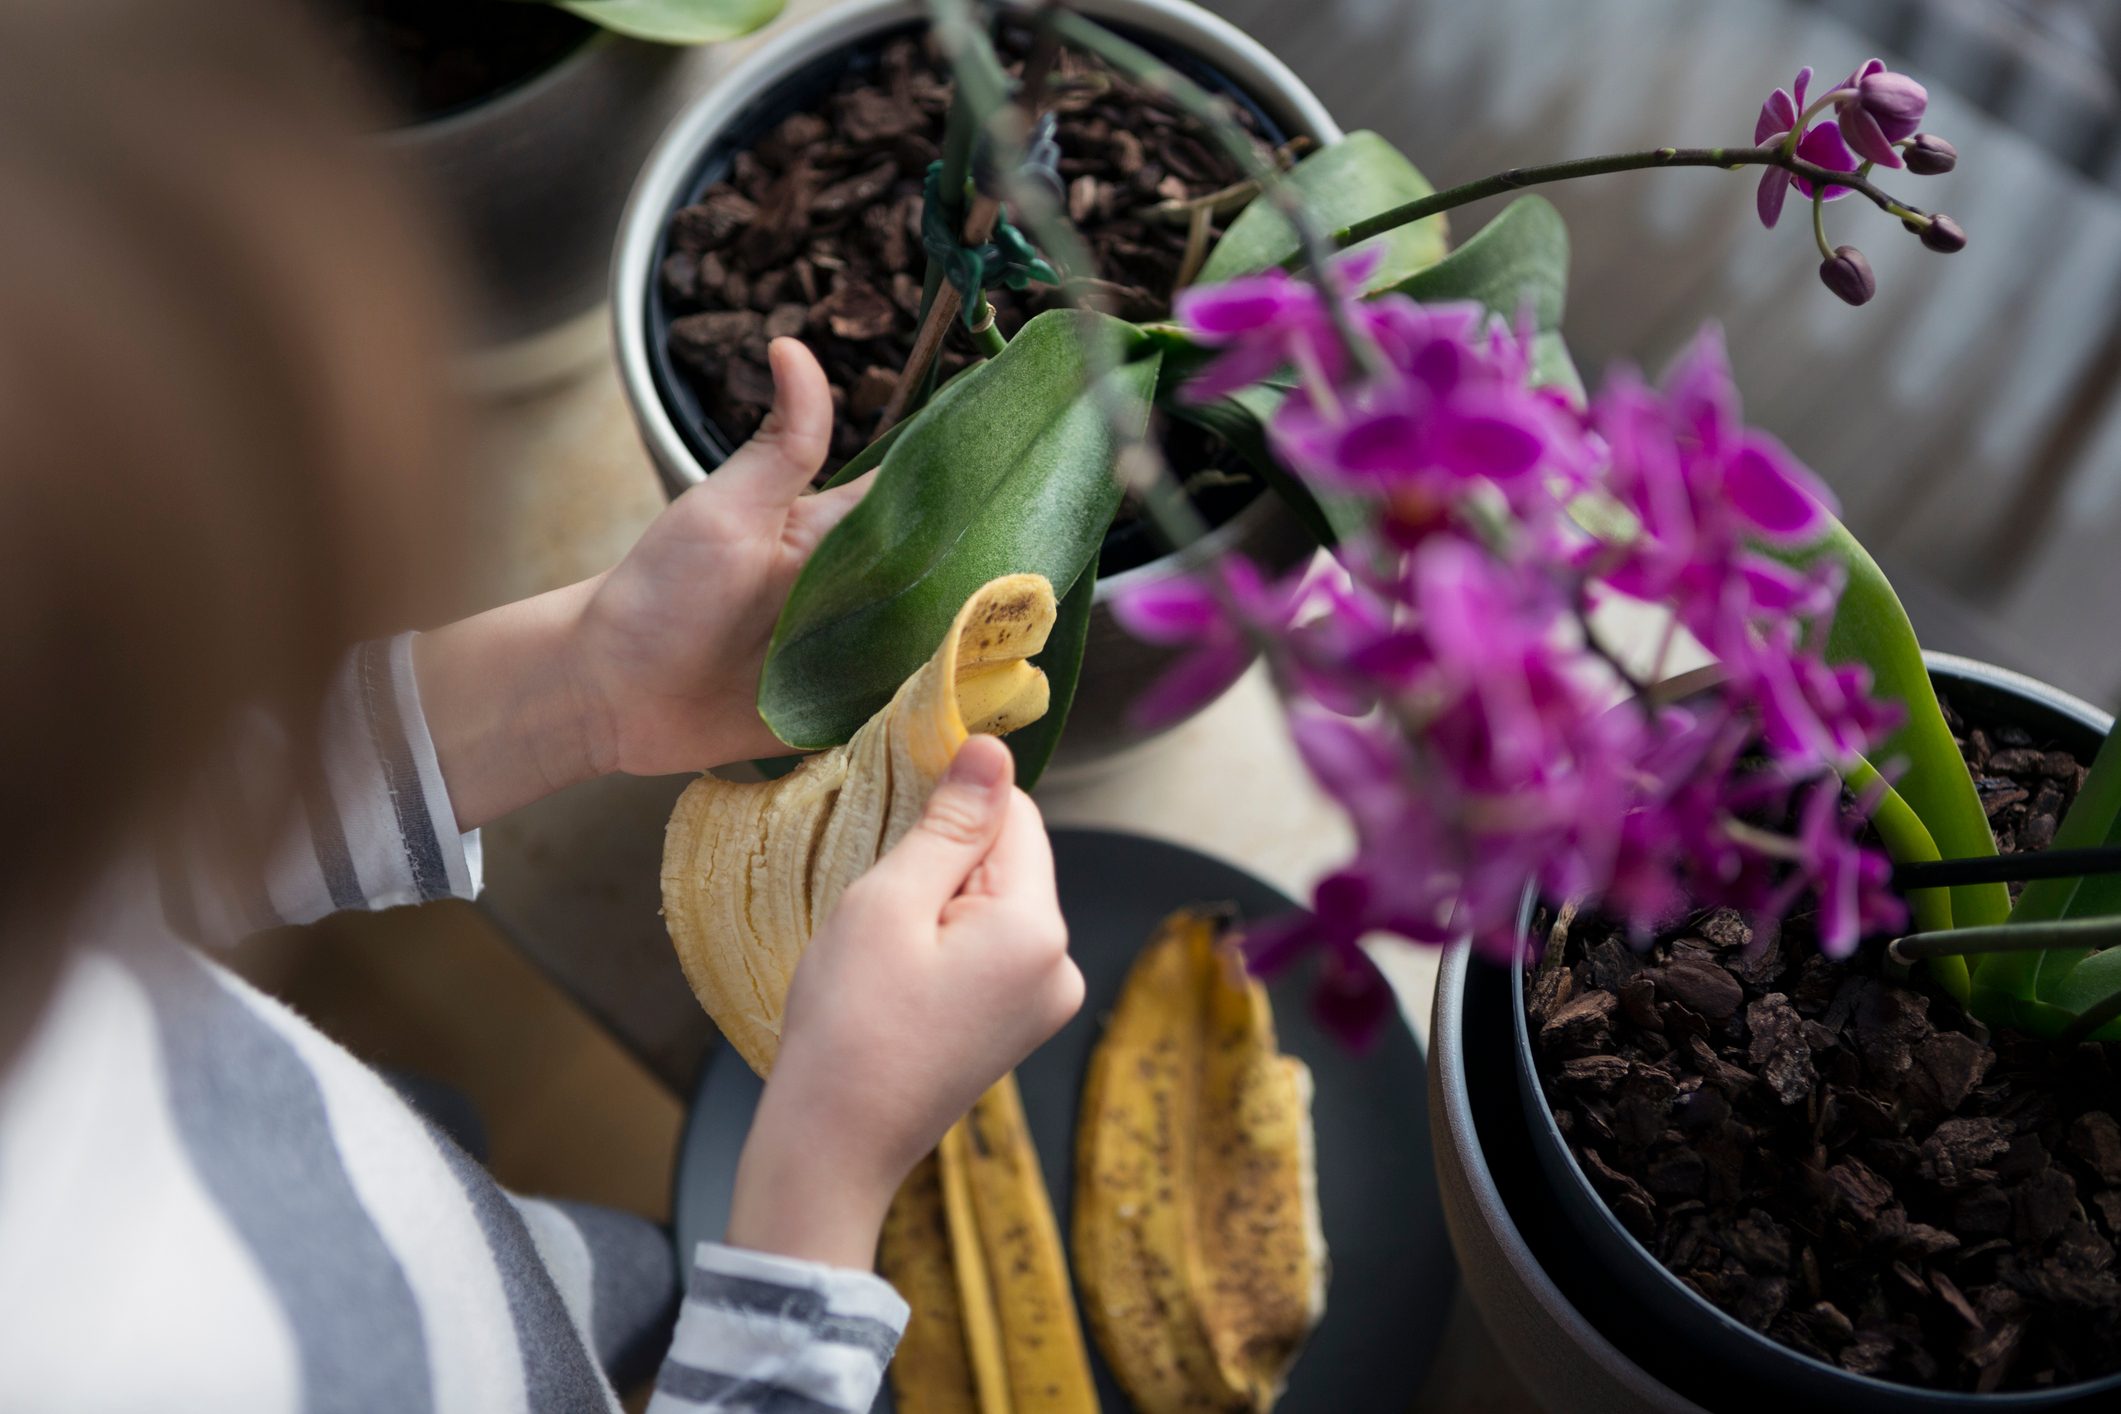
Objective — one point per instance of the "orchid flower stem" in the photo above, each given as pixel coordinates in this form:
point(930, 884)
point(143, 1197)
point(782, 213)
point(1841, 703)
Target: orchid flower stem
point(990, 339)
point(1517, 178)
point(2009, 937)
point(1826, 252)
point(2009, 868)
point(1818, 105)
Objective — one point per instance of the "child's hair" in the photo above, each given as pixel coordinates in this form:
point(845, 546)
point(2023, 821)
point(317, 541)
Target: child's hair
point(221, 407)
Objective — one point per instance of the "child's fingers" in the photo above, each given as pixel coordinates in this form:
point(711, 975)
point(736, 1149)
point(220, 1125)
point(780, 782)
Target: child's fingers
point(957, 829)
point(826, 509)
point(1019, 869)
point(783, 456)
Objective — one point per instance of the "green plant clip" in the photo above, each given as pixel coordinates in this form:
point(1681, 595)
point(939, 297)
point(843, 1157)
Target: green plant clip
point(1009, 261)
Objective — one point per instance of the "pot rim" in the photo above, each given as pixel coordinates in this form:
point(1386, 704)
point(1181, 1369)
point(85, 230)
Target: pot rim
point(1869, 1387)
point(498, 107)
point(670, 167)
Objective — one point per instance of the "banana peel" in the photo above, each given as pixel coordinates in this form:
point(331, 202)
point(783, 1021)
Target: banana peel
point(972, 1244)
point(1197, 1242)
point(750, 870)
point(932, 1372)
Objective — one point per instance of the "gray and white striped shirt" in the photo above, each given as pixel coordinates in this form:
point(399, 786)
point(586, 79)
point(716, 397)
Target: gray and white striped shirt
point(205, 1204)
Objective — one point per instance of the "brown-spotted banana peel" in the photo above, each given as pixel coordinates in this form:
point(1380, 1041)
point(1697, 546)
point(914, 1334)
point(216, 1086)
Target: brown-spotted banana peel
point(972, 1245)
point(1197, 1242)
point(751, 870)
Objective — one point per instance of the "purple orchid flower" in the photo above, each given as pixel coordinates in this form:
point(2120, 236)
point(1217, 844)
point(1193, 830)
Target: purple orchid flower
point(1452, 697)
point(1880, 109)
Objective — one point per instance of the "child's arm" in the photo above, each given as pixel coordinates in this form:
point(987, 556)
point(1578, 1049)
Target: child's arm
point(941, 969)
point(653, 666)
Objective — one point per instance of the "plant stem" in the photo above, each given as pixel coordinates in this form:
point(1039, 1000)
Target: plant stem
point(2009, 937)
point(1517, 178)
point(2008, 868)
point(988, 337)
point(979, 225)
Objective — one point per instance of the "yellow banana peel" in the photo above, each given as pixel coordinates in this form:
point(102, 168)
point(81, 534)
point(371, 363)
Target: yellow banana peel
point(1197, 1243)
point(751, 870)
point(973, 1246)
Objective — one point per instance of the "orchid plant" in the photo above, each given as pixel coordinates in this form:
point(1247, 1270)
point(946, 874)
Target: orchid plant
point(1447, 681)
point(1447, 676)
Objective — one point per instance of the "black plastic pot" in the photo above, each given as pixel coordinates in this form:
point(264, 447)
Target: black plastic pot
point(1727, 1362)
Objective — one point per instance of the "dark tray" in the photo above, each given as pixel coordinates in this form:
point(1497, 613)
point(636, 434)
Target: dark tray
point(1393, 1276)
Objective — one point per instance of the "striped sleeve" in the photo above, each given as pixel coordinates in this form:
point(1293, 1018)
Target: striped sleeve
point(375, 828)
point(765, 1333)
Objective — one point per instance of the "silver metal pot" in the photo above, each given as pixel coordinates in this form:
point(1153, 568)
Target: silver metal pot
point(1116, 666)
point(532, 181)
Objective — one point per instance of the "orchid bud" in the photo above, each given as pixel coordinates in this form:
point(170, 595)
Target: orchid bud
point(1881, 108)
point(1848, 275)
point(1930, 156)
point(1944, 235)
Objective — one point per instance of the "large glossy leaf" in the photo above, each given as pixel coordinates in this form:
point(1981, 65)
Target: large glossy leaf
point(1518, 260)
point(1010, 473)
point(872, 456)
point(1872, 628)
point(677, 21)
point(1358, 176)
point(1062, 662)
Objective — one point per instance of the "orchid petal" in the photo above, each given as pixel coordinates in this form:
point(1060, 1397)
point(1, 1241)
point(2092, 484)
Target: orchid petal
point(1770, 488)
point(1189, 685)
point(1172, 610)
point(1774, 190)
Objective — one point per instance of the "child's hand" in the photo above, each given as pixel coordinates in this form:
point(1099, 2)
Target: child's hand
point(653, 666)
point(940, 969)
point(673, 639)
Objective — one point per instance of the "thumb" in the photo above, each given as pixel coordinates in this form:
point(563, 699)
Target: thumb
point(785, 454)
point(957, 828)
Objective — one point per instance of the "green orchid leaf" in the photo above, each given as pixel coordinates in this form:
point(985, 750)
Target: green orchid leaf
point(1062, 662)
point(1908, 840)
point(1518, 259)
point(2095, 977)
point(1872, 628)
point(2094, 818)
point(1358, 176)
point(872, 456)
point(1008, 471)
point(677, 21)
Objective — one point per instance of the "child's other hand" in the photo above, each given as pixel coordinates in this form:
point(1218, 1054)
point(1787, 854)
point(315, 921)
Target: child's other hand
point(940, 969)
point(653, 666)
point(672, 640)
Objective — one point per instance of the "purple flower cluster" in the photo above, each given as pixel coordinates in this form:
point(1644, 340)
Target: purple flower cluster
point(1870, 119)
point(1446, 687)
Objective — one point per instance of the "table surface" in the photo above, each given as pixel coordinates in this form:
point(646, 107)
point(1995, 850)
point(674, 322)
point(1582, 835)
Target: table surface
point(574, 881)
